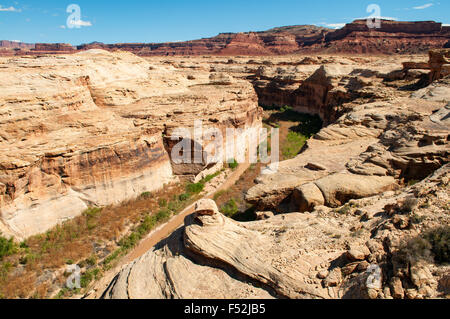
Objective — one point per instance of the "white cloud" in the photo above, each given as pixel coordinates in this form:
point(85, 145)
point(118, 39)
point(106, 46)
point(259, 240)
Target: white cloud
point(9, 9)
point(381, 18)
point(425, 6)
point(62, 26)
point(446, 24)
point(15, 41)
point(81, 23)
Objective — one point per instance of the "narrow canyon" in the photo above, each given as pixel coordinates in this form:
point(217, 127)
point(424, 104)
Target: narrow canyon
point(361, 212)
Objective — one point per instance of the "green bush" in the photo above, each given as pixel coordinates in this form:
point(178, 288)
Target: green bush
point(7, 247)
point(184, 197)
point(196, 188)
point(433, 245)
point(147, 225)
point(209, 178)
point(108, 260)
point(440, 244)
point(146, 195)
point(175, 205)
point(230, 208)
point(92, 212)
point(293, 145)
point(286, 108)
point(4, 270)
point(233, 164)
point(162, 203)
point(163, 215)
point(88, 277)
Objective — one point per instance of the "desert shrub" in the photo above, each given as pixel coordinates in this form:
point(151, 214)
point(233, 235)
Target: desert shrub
point(28, 259)
point(4, 270)
point(409, 205)
point(130, 241)
point(163, 215)
point(88, 277)
point(147, 225)
point(344, 210)
point(195, 188)
point(108, 260)
point(162, 202)
point(146, 195)
point(433, 245)
point(7, 247)
point(177, 204)
point(92, 212)
point(209, 178)
point(293, 145)
point(184, 197)
point(230, 208)
point(91, 261)
point(286, 108)
point(233, 164)
point(440, 244)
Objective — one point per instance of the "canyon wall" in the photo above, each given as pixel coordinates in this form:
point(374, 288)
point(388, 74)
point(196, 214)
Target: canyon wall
point(360, 213)
point(356, 37)
point(92, 128)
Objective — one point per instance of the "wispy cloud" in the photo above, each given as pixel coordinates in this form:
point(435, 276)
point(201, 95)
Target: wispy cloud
point(81, 23)
point(425, 6)
point(9, 9)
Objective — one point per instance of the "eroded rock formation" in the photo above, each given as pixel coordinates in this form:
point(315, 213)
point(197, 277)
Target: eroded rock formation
point(95, 128)
point(367, 191)
point(355, 37)
point(364, 252)
point(92, 129)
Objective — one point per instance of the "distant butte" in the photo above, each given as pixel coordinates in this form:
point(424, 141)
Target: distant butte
point(354, 38)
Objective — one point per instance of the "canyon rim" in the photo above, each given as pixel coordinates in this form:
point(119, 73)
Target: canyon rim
point(354, 203)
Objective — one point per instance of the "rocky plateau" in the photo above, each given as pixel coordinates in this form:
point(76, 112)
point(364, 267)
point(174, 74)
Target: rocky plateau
point(361, 212)
point(392, 37)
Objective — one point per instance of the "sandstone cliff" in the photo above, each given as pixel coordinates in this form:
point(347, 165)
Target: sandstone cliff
point(362, 210)
point(356, 37)
point(88, 129)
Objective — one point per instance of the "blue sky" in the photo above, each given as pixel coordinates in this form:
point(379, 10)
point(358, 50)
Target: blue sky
point(178, 20)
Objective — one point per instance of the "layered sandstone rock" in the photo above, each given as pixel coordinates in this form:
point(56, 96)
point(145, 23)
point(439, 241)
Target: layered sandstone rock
point(93, 129)
point(355, 37)
point(359, 253)
point(53, 47)
point(15, 45)
point(368, 149)
point(350, 226)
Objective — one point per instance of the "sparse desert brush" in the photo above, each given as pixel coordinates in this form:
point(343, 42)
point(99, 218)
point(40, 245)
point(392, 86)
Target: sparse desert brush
point(432, 246)
point(232, 163)
point(195, 188)
point(409, 204)
point(230, 208)
point(7, 247)
point(440, 244)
